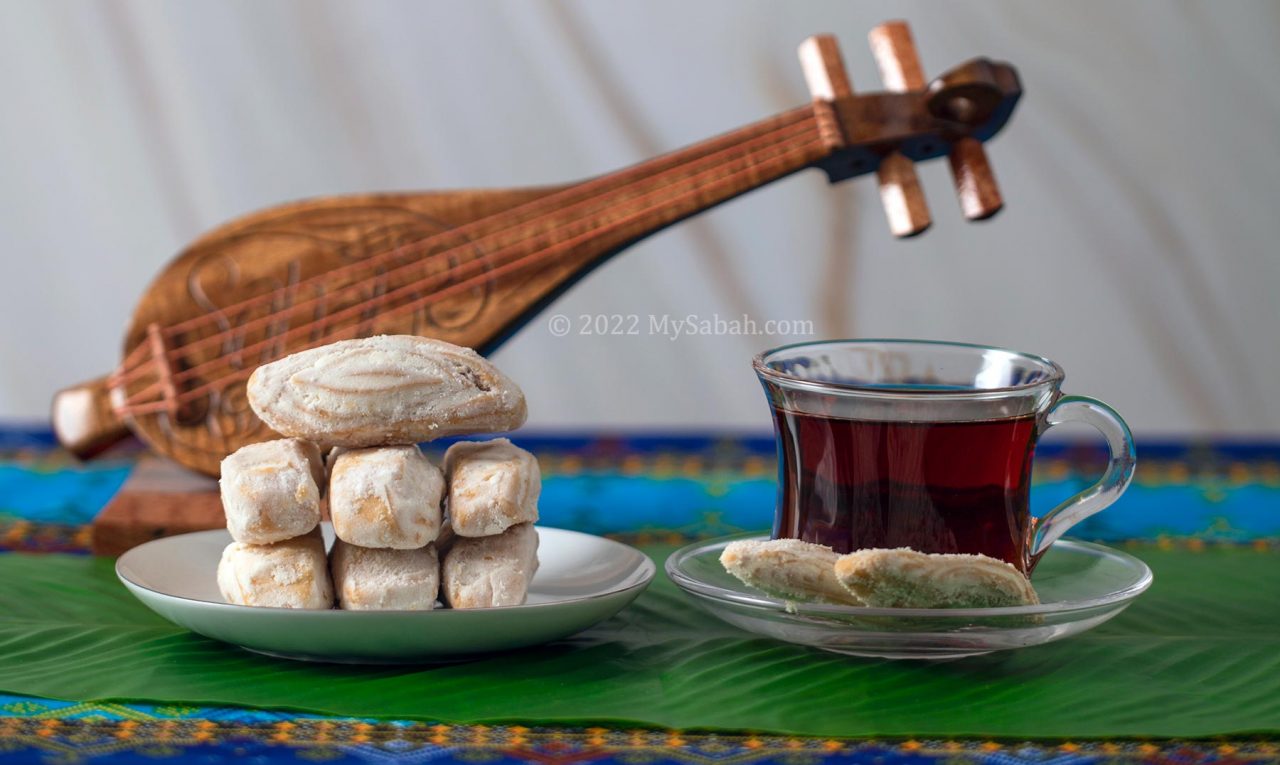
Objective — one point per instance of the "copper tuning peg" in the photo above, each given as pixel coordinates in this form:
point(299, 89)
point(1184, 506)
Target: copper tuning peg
point(975, 181)
point(912, 120)
point(900, 191)
point(977, 92)
point(900, 69)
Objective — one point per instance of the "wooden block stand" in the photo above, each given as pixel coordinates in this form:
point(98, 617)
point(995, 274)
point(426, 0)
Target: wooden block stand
point(159, 499)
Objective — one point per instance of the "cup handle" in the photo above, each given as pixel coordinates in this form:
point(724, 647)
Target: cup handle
point(1108, 489)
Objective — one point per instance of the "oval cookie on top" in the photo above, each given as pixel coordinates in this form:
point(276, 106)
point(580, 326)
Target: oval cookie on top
point(390, 389)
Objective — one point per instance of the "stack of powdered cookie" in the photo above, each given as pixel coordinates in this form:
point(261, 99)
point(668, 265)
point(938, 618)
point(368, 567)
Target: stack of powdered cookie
point(406, 532)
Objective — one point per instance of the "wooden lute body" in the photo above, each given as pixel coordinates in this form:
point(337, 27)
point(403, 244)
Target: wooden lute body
point(470, 267)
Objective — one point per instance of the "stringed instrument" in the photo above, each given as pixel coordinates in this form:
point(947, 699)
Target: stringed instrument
point(470, 267)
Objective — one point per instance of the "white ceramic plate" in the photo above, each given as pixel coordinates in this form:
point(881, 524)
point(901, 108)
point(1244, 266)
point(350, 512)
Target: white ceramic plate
point(581, 580)
point(1080, 585)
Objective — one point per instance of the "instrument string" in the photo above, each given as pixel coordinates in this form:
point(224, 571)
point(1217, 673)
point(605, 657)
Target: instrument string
point(364, 307)
point(603, 203)
point(133, 405)
point(589, 191)
point(656, 167)
point(339, 332)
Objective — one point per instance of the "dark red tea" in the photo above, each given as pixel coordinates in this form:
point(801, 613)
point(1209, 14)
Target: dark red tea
point(944, 487)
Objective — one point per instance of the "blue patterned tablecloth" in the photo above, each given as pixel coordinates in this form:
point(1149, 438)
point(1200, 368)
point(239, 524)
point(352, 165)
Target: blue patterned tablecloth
point(640, 488)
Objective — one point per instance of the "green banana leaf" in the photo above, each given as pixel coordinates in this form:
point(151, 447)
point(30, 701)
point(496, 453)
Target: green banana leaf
point(1198, 655)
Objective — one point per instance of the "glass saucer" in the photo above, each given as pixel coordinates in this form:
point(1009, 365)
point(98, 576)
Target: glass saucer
point(1081, 585)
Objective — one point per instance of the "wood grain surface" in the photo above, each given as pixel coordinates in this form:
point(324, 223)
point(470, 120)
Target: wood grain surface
point(470, 267)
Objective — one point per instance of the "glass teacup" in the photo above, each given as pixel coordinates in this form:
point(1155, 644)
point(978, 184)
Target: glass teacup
point(927, 445)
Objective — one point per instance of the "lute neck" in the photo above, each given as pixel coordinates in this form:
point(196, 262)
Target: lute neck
point(619, 208)
point(528, 254)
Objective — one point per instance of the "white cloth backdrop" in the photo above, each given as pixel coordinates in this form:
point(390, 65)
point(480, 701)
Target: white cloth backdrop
point(1138, 246)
